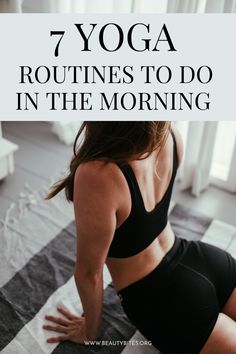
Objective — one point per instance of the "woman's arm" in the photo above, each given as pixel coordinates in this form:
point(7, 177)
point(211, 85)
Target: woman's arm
point(96, 198)
point(95, 206)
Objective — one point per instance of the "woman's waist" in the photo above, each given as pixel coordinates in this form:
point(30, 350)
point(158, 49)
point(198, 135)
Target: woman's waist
point(125, 271)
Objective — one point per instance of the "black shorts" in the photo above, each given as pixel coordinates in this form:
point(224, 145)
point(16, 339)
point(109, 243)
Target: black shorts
point(177, 305)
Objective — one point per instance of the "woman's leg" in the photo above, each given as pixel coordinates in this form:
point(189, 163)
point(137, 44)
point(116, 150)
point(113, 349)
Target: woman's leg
point(223, 337)
point(220, 269)
point(230, 307)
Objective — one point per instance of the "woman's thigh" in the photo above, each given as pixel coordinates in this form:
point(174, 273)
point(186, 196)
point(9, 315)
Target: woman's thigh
point(179, 310)
point(223, 337)
point(230, 307)
point(178, 314)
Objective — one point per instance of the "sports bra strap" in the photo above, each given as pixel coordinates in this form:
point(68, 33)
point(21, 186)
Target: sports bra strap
point(175, 151)
point(136, 196)
point(131, 180)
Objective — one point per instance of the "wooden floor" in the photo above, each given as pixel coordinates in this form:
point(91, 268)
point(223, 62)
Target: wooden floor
point(41, 156)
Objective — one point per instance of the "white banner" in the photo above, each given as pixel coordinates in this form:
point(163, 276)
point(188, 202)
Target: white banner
point(124, 67)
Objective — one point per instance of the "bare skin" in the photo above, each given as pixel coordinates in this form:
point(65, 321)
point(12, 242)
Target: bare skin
point(223, 337)
point(125, 271)
point(102, 203)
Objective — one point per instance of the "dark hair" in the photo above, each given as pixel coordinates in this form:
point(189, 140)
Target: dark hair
point(118, 142)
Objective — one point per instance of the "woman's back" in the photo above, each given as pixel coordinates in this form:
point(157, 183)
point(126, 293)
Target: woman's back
point(152, 179)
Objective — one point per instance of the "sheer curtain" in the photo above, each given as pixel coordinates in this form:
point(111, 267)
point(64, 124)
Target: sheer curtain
point(95, 6)
point(199, 148)
point(11, 5)
point(80, 6)
point(126, 6)
point(198, 6)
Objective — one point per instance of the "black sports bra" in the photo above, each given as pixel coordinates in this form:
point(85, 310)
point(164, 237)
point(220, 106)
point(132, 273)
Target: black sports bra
point(141, 227)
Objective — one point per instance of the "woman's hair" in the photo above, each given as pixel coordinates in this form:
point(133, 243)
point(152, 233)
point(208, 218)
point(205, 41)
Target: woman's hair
point(118, 142)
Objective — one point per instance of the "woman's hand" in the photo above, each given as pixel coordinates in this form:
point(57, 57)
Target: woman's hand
point(70, 327)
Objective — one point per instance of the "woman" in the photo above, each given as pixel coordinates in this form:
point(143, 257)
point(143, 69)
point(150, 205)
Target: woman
point(180, 294)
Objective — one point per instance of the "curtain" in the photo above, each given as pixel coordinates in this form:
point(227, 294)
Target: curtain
point(94, 6)
point(121, 6)
point(80, 6)
point(232, 172)
point(11, 5)
point(199, 147)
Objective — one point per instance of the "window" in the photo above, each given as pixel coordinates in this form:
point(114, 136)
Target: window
point(216, 156)
point(224, 153)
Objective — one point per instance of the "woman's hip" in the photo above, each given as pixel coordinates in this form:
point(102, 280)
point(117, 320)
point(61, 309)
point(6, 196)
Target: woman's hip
point(181, 299)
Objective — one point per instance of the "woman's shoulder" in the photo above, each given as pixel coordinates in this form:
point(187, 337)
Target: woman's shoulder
point(98, 173)
point(97, 168)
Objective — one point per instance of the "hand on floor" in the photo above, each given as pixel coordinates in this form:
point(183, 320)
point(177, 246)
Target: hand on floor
point(71, 327)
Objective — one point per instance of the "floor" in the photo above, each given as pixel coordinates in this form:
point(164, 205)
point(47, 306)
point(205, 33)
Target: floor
point(214, 202)
point(41, 156)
